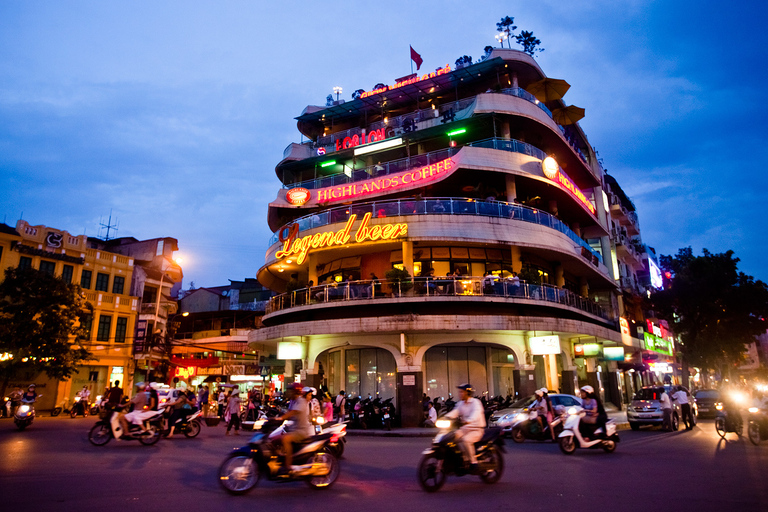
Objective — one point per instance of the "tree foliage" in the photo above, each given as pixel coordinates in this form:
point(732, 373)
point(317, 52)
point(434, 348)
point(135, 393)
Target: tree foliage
point(714, 308)
point(529, 42)
point(464, 60)
point(40, 325)
point(507, 25)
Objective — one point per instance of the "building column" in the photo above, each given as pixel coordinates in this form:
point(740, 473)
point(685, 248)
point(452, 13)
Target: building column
point(408, 257)
point(553, 207)
point(514, 80)
point(559, 276)
point(517, 262)
point(506, 132)
point(511, 188)
point(576, 228)
point(550, 370)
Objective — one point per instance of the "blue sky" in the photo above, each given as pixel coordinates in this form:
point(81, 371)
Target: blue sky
point(173, 115)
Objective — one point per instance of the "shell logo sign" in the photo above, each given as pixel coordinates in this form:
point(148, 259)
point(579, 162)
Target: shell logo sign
point(297, 196)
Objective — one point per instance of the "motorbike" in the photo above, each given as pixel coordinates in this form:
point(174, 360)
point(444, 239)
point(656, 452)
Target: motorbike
point(79, 407)
point(338, 433)
point(728, 421)
point(757, 429)
point(445, 457)
point(387, 413)
point(109, 428)
point(571, 438)
point(526, 426)
point(313, 461)
point(25, 414)
point(97, 406)
point(189, 426)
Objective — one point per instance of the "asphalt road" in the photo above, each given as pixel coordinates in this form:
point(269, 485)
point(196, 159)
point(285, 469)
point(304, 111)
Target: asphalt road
point(52, 466)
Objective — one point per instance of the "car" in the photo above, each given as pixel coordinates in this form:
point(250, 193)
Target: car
point(167, 395)
point(705, 400)
point(645, 408)
point(505, 418)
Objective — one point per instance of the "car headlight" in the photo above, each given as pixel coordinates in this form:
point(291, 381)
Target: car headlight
point(24, 408)
point(719, 406)
point(753, 409)
point(443, 423)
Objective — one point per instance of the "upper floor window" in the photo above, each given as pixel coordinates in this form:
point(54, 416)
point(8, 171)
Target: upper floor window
point(118, 284)
point(85, 279)
point(105, 323)
point(25, 262)
point(121, 327)
point(49, 267)
point(102, 282)
point(150, 295)
point(160, 245)
point(66, 273)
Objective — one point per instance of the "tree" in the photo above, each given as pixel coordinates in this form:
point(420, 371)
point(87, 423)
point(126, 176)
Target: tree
point(42, 325)
point(464, 60)
point(529, 43)
point(713, 308)
point(507, 26)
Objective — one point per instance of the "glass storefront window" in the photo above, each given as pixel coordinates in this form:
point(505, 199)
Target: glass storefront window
point(353, 372)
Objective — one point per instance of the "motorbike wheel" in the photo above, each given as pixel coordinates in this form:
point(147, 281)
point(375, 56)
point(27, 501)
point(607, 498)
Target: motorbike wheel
point(517, 435)
point(193, 428)
point(337, 449)
point(492, 458)
point(327, 480)
point(56, 411)
point(238, 474)
point(568, 445)
point(609, 446)
point(151, 437)
point(99, 434)
point(753, 432)
point(720, 427)
point(431, 475)
point(72, 413)
point(675, 423)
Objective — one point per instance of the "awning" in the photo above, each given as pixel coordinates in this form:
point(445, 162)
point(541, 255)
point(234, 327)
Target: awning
point(193, 361)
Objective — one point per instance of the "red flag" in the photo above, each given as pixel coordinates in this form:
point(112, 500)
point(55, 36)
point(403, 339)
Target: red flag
point(415, 57)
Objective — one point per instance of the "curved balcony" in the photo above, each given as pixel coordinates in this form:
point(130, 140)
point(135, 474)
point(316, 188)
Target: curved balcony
point(440, 206)
point(435, 289)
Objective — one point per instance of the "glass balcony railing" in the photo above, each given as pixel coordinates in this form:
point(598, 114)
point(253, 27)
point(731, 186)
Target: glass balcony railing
point(440, 206)
point(436, 287)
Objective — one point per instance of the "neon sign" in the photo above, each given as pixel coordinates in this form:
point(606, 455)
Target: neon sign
point(356, 140)
point(185, 372)
point(387, 183)
point(293, 245)
point(415, 79)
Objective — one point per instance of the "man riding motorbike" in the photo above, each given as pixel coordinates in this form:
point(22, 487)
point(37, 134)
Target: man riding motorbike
point(142, 409)
point(301, 427)
point(470, 412)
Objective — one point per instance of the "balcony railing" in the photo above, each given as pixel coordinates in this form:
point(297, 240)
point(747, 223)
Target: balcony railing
point(440, 206)
point(362, 291)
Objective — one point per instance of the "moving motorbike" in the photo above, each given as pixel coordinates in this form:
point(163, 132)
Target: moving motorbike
point(79, 407)
point(189, 426)
point(728, 420)
point(106, 429)
point(526, 426)
point(758, 425)
point(313, 461)
point(445, 457)
point(98, 405)
point(571, 438)
point(25, 414)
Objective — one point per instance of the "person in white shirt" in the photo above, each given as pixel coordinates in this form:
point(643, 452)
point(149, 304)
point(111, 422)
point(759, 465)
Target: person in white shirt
point(666, 408)
point(472, 415)
point(681, 397)
point(431, 416)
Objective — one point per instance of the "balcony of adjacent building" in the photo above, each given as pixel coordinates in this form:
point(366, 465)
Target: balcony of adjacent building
point(112, 301)
point(629, 249)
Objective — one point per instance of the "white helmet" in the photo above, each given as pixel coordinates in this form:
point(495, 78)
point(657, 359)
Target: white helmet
point(544, 390)
point(538, 392)
point(306, 390)
point(588, 389)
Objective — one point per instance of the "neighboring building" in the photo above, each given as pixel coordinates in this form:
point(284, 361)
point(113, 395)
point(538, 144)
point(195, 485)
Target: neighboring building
point(106, 280)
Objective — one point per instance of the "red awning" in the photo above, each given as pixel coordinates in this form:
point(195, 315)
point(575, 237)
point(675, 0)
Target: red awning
point(193, 361)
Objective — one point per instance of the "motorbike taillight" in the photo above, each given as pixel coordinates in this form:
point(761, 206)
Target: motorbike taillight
point(335, 438)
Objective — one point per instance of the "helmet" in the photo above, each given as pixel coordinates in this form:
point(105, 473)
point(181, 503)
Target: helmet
point(466, 387)
point(588, 389)
point(544, 391)
point(314, 391)
point(538, 392)
point(305, 390)
point(31, 386)
point(296, 386)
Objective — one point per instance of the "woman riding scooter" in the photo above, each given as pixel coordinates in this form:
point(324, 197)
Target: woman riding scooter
point(595, 416)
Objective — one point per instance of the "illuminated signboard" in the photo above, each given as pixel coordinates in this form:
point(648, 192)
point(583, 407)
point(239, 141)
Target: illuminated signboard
point(290, 350)
point(293, 245)
point(656, 280)
point(356, 140)
point(550, 168)
point(553, 171)
point(613, 353)
point(624, 325)
point(586, 350)
point(297, 196)
point(411, 177)
point(543, 345)
point(185, 372)
point(413, 80)
point(655, 344)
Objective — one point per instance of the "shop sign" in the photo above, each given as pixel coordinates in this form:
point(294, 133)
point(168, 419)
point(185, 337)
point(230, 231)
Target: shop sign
point(658, 330)
point(655, 344)
point(290, 350)
point(234, 369)
point(624, 325)
point(357, 140)
point(417, 177)
point(297, 196)
point(543, 345)
point(184, 372)
point(655, 272)
point(293, 245)
point(553, 171)
point(117, 370)
point(661, 367)
point(613, 353)
point(587, 350)
point(409, 380)
point(413, 80)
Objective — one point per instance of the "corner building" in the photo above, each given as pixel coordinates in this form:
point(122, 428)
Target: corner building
point(446, 176)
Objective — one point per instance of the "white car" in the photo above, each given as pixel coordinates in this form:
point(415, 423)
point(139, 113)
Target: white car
point(506, 418)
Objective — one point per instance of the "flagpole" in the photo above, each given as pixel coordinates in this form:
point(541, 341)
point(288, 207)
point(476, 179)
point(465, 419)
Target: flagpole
point(411, 58)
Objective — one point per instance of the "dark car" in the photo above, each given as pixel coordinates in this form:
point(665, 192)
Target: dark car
point(705, 400)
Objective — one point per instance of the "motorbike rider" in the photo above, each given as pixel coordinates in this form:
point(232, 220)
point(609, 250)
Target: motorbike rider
point(84, 395)
point(470, 412)
point(543, 408)
point(181, 409)
point(301, 427)
point(595, 412)
point(143, 408)
point(15, 400)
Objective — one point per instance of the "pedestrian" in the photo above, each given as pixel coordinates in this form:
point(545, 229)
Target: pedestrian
point(222, 401)
point(327, 408)
point(340, 406)
point(431, 416)
point(681, 397)
point(232, 414)
point(666, 408)
point(115, 394)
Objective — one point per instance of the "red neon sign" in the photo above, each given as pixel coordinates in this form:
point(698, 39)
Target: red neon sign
point(442, 71)
point(356, 140)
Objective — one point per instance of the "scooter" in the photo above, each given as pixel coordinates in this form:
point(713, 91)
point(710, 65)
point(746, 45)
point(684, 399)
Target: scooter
point(97, 406)
point(189, 426)
point(387, 413)
point(526, 426)
point(728, 420)
point(79, 407)
point(570, 437)
point(25, 414)
point(107, 429)
point(445, 457)
point(313, 462)
point(338, 439)
point(758, 425)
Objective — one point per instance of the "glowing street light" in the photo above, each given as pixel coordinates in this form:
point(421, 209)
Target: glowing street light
point(338, 91)
point(500, 37)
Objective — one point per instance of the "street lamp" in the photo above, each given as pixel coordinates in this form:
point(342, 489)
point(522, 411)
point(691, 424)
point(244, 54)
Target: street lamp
point(500, 37)
point(338, 91)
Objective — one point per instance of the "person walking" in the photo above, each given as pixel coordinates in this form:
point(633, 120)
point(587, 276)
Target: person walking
point(681, 397)
point(232, 413)
point(341, 405)
point(222, 401)
point(666, 408)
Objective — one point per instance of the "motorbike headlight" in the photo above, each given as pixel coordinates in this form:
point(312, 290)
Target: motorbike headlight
point(259, 423)
point(319, 420)
point(753, 409)
point(719, 406)
point(443, 423)
point(572, 411)
point(24, 408)
point(521, 416)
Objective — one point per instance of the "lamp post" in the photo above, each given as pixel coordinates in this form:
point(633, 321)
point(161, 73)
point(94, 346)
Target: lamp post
point(338, 91)
point(500, 37)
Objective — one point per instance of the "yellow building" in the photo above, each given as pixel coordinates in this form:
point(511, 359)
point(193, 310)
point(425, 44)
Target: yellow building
point(106, 281)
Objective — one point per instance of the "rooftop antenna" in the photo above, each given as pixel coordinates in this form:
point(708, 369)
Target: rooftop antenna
point(108, 226)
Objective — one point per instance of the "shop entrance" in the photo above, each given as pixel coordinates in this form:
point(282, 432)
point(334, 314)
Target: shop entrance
point(489, 369)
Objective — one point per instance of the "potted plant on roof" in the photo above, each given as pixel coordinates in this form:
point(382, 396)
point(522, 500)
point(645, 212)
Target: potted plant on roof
point(399, 281)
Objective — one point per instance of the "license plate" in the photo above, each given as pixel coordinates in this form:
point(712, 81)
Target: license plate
point(703, 409)
point(386, 416)
point(645, 415)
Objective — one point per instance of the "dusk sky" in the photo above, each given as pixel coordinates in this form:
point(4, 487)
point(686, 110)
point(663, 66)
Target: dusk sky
point(173, 115)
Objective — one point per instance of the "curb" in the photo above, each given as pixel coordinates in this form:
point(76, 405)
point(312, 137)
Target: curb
point(424, 432)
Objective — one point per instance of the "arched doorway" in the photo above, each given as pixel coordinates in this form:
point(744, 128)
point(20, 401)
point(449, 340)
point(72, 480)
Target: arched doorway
point(359, 371)
point(490, 369)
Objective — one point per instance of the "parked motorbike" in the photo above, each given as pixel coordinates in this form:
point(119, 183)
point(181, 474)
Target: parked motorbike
point(189, 426)
point(571, 438)
point(25, 414)
point(758, 425)
point(728, 420)
point(526, 426)
point(313, 461)
point(109, 428)
point(445, 457)
point(79, 407)
point(387, 412)
point(97, 406)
